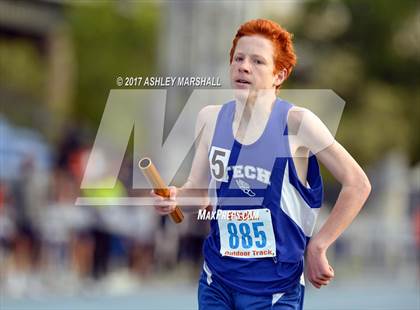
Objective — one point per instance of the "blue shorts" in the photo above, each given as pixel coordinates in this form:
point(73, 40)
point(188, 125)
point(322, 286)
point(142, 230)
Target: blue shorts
point(214, 295)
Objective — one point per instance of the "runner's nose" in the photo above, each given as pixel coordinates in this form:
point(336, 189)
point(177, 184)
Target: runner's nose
point(244, 66)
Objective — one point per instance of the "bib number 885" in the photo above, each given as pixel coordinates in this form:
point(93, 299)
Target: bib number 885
point(244, 235)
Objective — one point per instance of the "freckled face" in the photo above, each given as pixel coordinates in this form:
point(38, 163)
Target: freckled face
point(252, 66)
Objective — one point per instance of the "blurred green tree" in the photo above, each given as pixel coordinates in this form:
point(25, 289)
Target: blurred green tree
point(368, 52)
point(110, 41)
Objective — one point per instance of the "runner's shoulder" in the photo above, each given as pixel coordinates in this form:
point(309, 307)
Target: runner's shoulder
point(208, 114)
point(308, 129)
point(297, 114)
point(206, 121)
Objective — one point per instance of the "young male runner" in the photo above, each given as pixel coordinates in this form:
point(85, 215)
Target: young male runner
point(255, 167)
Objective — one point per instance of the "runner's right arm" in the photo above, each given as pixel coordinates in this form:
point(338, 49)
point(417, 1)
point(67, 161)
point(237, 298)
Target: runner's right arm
point(196, 185)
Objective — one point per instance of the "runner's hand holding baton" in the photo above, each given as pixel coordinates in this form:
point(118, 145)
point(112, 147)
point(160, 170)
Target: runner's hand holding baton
point(161, 190)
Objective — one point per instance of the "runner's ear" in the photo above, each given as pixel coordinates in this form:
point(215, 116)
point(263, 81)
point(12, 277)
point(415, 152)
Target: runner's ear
point(279, 77)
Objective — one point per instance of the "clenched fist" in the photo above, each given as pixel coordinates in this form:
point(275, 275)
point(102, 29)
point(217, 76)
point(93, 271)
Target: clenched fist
point(165, 206)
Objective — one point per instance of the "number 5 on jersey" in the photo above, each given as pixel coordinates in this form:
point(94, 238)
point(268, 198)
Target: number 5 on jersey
point(219, 159)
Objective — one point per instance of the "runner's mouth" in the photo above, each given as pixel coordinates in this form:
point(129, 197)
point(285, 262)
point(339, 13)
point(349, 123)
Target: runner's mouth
point(242, 81)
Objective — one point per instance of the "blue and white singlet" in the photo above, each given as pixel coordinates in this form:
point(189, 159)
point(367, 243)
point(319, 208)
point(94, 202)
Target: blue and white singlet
point(258, 247)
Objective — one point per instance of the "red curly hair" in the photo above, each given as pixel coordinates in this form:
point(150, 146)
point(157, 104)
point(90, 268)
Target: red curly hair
point(284, 55)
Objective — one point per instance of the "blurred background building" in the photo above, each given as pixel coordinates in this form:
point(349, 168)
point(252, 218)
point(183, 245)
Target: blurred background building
point(58, 61)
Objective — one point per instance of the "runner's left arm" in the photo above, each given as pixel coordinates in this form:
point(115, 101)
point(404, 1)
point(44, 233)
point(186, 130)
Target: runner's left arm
point(355, 189)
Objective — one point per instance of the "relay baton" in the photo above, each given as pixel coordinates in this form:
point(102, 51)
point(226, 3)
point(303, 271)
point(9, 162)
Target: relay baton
point(159, 187)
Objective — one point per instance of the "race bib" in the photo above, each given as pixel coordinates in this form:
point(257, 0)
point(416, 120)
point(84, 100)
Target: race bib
point(247, 234)
point(219, 159)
